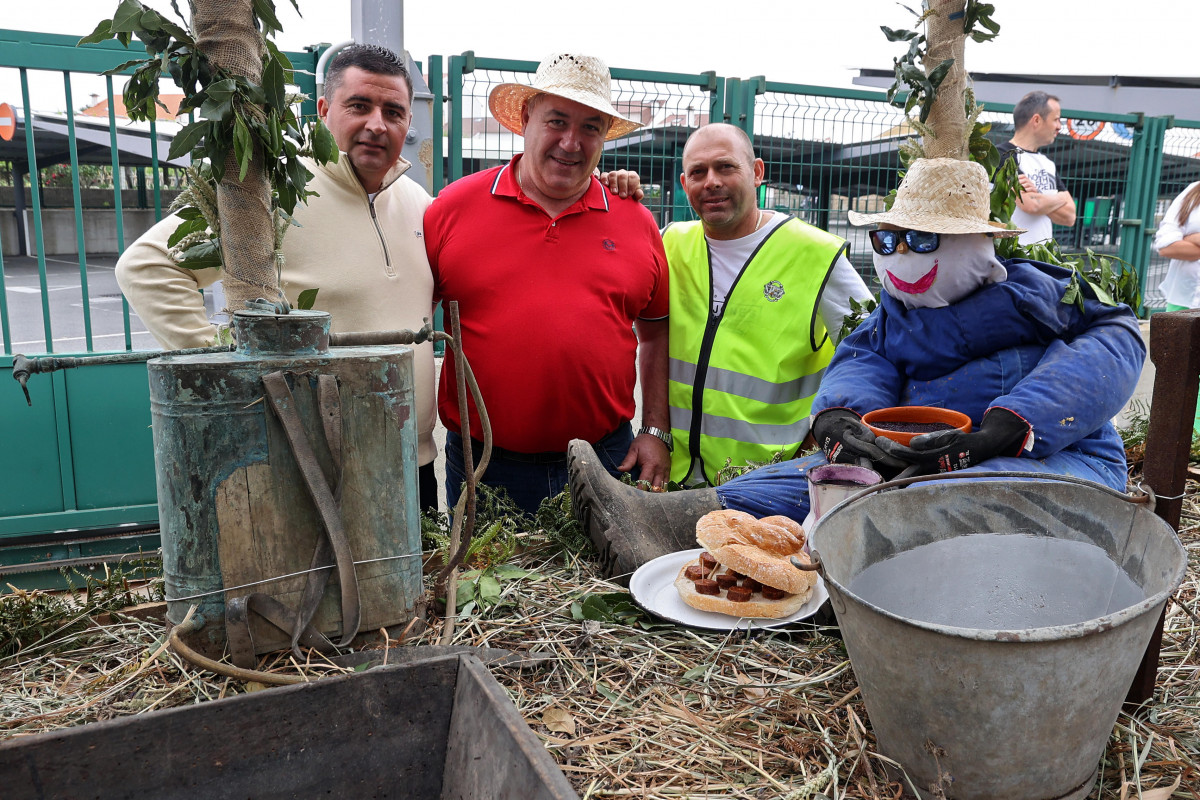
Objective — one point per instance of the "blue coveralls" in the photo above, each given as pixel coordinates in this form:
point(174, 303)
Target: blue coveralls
point(1012, 344)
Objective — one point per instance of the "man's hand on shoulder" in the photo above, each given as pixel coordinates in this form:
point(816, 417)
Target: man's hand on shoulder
point(623, 183)
point(651, 455)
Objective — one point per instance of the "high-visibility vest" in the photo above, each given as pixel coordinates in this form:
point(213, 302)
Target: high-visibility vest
point(742, 379)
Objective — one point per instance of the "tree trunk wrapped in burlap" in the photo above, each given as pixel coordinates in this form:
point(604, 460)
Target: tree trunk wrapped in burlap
point(226, 33)
point(944, 38)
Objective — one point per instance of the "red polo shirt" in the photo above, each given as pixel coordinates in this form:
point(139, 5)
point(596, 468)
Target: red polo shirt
point(546, 306)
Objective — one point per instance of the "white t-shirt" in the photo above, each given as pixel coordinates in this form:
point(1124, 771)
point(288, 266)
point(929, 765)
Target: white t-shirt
point(1181, 287)
point(729, 256)
point(1040, 170)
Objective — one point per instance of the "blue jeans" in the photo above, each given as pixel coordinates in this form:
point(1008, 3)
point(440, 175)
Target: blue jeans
point(783, 488)
point(528, 478)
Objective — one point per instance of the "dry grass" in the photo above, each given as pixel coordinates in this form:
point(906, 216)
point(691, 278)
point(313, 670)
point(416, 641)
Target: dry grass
point(627, 711)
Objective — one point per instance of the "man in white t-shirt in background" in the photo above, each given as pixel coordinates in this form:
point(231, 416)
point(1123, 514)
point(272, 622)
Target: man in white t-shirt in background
point(1044, 200)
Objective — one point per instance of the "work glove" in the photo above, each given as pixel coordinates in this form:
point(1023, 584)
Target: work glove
point(846, 439)
point(1002, 433)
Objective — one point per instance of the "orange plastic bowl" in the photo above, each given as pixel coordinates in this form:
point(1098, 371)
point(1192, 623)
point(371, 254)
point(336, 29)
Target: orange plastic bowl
point(884, 421)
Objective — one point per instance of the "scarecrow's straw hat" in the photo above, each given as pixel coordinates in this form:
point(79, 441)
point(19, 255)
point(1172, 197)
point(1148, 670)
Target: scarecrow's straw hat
point(941, 195)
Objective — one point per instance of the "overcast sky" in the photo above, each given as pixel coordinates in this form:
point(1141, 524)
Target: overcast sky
point(796, 41)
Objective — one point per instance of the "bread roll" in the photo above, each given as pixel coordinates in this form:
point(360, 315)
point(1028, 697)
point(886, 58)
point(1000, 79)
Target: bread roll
point(757, 548)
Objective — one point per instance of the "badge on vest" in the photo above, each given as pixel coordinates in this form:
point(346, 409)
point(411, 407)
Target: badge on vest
point(773, 291)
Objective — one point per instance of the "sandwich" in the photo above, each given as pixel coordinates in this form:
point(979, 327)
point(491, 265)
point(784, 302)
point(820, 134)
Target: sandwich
point(745, 570)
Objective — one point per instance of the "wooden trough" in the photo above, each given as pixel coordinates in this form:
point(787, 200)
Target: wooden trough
point(438, 728)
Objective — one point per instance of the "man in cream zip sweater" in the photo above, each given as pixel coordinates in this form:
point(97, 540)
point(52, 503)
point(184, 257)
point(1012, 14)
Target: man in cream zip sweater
point(359, 241)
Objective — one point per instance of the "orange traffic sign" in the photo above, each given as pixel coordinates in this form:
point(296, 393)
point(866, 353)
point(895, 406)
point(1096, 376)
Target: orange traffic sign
point(8, 122)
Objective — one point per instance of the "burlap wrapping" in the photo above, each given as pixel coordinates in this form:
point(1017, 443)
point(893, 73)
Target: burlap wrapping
point(226, 34)
point(948, 117)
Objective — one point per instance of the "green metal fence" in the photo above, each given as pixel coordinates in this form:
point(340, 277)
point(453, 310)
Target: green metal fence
point(828, 151)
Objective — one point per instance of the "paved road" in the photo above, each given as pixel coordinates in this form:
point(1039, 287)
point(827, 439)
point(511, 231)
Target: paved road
point(64, 284)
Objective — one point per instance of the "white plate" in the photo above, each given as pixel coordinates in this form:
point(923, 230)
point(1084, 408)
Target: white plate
point(653, 588)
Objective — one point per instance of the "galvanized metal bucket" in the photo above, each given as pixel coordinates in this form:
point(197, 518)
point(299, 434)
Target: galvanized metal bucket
point(235, 515)
point(972, 713)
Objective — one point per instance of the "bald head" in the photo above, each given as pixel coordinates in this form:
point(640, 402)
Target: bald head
point(730, 135)
point(721, 177)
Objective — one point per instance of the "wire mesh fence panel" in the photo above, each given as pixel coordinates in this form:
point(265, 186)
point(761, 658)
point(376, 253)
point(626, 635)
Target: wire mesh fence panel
point(1180, 169)
point(826, 154)
point(669, 106)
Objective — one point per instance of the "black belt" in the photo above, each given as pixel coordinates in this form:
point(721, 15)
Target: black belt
point(547, 457)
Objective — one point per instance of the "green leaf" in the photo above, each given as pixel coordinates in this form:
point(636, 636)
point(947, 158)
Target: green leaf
point(188, 138)
point(150, 21)
point(102, 33)
point(216, 110)
point(695, 672)
point(223, 90)
point(265, 11)
point(324, 147)
point(939, 73)
point(279, 56)
point(187, 228)
point(489, 588)
point(464, 592)
point(128, 17)
point(243, 146)
point(897, 36)
point(1101, 293)
point(179, 33)
point(205, 255)
point(273, 84)
point(117, 70)
point(611, 696)
point(307, 299)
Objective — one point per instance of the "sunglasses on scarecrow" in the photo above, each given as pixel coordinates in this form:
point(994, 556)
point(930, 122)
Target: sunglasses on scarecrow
point(885, 242)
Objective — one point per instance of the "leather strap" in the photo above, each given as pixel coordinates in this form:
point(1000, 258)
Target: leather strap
point(329, 409)
point(279, 398)
point(241, 637)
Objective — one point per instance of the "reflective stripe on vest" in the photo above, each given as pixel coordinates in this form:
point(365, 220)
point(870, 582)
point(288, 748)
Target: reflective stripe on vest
point(752, 368)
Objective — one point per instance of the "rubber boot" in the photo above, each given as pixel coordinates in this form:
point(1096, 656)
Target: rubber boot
point(627, 525)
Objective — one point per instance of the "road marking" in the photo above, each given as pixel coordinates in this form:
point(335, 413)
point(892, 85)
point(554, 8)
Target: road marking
point(37, 290)
point(82, 338)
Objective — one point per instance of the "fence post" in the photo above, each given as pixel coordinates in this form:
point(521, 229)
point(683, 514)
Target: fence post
point(716, 105)
point(751, 89)
point(438, 114)
point(1156, 136)
point(1141, 193)
point(459, 65)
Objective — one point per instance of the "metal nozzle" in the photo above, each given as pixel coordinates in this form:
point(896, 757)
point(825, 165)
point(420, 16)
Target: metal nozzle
point(22, 368)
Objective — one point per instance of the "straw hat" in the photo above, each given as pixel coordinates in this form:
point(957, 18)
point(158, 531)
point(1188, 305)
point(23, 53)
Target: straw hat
point(941, 195)
point(583, 79)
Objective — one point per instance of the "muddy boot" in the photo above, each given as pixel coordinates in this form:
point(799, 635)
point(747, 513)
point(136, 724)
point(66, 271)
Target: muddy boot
point(628, 526)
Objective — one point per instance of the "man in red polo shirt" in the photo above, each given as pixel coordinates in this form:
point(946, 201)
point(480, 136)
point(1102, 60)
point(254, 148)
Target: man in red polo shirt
point(552, 275)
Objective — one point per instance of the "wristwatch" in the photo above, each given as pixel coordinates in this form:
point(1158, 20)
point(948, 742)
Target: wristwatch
point(659, 433)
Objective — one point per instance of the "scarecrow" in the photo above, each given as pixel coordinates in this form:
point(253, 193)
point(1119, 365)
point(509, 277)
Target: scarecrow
point(956, 328)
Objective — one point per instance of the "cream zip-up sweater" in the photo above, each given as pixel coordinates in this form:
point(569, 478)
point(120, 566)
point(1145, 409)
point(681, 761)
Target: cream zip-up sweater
point(366, 257)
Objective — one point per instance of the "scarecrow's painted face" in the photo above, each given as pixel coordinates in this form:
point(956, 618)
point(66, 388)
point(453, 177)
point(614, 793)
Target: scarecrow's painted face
point(952, 266)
